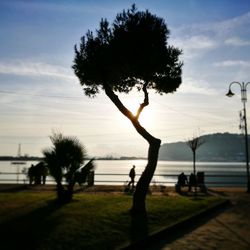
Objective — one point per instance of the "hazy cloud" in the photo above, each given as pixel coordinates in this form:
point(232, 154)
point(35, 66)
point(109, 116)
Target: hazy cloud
point(232, 25)
point(23, 68)
point(199, 42)
point(221, 28)
point(192, 86)
point(212, 34)
point(230, 63)
point(194, 46)
point(236, 41)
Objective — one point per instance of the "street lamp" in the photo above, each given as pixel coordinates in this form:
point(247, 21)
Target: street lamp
point(243, 88)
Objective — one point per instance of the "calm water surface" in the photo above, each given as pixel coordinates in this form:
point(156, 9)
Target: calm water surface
point(116, 172)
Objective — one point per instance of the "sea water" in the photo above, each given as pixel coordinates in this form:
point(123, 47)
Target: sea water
point(115, 172)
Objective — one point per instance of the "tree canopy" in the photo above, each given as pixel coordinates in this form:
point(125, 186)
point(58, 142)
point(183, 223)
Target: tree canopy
point(67, 154)
point(132, 52)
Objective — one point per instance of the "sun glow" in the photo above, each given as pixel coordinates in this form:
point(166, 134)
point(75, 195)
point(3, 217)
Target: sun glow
point(146, 117)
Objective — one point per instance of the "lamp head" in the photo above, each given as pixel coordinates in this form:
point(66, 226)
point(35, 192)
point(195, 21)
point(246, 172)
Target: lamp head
point(230, 93)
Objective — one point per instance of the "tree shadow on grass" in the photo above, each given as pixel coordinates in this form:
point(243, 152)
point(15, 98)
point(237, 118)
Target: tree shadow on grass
point(29, 231)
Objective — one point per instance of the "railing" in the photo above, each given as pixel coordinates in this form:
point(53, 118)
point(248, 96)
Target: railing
point(233, 180)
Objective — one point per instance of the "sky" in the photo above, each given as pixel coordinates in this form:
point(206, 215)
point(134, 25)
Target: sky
point(39, 93)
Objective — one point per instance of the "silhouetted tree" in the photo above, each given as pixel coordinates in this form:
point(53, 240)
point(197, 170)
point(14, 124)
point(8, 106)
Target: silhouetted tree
point(64, 159)
point(132, 52)
point(194, 143)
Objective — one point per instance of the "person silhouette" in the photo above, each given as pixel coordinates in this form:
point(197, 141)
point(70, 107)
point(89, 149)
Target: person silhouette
point(182, 180)
point(132, 176)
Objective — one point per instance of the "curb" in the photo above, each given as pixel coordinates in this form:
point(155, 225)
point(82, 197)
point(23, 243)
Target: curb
point(171, 232)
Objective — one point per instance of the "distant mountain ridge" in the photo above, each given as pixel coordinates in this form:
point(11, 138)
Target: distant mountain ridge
point(220, 147)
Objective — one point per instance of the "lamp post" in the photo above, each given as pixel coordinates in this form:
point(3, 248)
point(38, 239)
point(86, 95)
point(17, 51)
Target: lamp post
point(243, 88)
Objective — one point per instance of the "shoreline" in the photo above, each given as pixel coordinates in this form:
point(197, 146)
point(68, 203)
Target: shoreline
point(35, 158)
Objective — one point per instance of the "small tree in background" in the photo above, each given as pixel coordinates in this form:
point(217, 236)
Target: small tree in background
point(65, 159)
point(194, 143)
point(131, 53)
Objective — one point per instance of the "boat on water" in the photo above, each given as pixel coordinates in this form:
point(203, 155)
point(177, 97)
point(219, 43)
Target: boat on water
point(18, 162)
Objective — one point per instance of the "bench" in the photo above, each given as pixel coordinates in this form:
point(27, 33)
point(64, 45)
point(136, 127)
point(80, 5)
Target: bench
point(178, 187)
point(199, 183)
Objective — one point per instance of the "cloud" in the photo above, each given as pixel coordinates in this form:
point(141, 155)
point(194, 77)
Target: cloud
point(232, 25)
point(234, 69)
point(199, 43)
point(210, 35)
point(236, 41)
point(39, 69)
point(219, 29)
point(196, 42)
point(194, 46)
point(231, 63)
point(192, 86)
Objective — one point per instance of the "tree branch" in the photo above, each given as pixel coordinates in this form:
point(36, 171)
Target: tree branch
point(142, 131)
point(115, 99)
point(145, 102)
point(195, 143)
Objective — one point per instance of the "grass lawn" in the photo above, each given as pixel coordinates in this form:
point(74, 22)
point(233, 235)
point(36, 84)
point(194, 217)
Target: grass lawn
point(33, 220)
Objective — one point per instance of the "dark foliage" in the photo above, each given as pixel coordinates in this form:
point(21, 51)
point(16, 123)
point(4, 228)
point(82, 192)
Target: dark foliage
point(64, 160)
point(128, 53)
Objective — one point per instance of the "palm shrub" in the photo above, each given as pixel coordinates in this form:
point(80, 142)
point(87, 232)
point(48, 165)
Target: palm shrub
point(64, 160)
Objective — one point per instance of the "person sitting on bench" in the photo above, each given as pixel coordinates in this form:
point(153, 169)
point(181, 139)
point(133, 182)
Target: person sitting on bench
point(182, 181)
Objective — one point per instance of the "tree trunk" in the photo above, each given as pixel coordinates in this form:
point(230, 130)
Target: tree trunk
point(154, 145)
point(194, 165)
point(142, 186)
point(60, 191)
point(194, 160)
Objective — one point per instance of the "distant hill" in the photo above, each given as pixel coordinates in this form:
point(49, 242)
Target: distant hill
point(217, 147)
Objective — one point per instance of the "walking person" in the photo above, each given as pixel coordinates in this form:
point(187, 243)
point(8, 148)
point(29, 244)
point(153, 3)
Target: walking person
point(132, 176)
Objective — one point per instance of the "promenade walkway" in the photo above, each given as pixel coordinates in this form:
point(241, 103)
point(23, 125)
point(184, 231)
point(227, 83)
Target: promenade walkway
point(229, 230)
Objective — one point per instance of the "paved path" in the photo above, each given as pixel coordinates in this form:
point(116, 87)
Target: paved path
point(230, 230)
